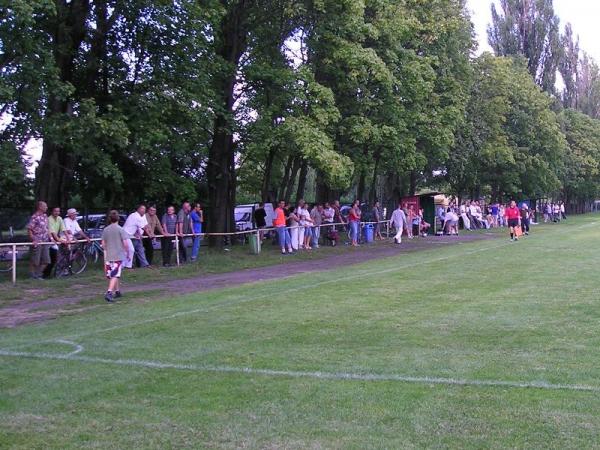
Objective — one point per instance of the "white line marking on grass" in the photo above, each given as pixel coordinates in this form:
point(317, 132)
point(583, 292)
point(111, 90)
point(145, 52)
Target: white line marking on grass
point(78, 347)
point(335, 376)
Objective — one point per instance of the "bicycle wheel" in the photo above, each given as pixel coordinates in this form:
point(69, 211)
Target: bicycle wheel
point(95, 255)
point(61, 269)
point(92, 250)
point(78, 262)
point(6, 261)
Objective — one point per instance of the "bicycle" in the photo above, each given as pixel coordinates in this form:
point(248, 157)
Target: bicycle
point(71, 261)
point(93, 250)
point(6, 259)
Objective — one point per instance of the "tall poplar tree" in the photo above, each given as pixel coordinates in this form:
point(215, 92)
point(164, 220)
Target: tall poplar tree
point(528, 28)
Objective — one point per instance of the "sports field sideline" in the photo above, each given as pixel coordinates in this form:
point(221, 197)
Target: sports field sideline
point(489, 344)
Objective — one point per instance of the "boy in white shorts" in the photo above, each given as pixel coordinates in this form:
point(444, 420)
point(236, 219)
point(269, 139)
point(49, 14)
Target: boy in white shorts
point(115, 242)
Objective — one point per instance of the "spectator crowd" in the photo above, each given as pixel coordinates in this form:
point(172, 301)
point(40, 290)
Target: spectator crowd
point(471, 215)
point(297, 227)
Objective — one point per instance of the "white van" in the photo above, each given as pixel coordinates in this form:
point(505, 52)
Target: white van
point(244, 216)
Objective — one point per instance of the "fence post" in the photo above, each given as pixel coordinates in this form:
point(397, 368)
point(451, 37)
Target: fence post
point(14, 264)
point(387, 227)
point(177, 248)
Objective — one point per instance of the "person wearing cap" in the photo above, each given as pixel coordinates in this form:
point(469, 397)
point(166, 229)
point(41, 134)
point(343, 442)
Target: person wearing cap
point(72, 229)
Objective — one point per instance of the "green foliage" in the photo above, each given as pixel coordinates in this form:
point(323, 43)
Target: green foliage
point(166, 101)
point(511, 143)
point(528, 28)
point(15, 188)
point(581, 173)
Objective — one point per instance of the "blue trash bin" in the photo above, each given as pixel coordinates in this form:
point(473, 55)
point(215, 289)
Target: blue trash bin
point(368, 230)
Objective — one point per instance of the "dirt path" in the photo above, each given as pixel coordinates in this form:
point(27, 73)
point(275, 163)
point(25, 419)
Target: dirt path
point(31, 310)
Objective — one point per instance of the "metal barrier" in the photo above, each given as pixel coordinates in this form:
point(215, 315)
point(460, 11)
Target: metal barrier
point(176, 240)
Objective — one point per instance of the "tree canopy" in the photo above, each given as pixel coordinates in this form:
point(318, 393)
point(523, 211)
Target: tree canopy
point(227, 100)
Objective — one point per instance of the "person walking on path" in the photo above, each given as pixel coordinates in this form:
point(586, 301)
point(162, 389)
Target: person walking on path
point(39, 233)
point(285, 241)
point(135, 225)
point(116, 245)
point(169, 226)
point(154, 227)
point(398, 221)
point(513, 218)
point(197, 218)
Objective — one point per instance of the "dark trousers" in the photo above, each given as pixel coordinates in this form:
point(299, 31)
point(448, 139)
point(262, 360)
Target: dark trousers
point(149, 249)
point(166, 246)
point(53, 257)
point(525, 225)
point(182, 250)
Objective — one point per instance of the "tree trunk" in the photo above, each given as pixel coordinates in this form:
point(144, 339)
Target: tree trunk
point(323, 193)
point(362, 181)
point(232, 42)
point(302, 180)
point(55, 170)
point(412, 190)
point(292, 179)
point(286, 175)
point(373, 190)
point(266, 183)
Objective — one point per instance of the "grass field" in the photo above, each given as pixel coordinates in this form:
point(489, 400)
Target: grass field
point(489, 344)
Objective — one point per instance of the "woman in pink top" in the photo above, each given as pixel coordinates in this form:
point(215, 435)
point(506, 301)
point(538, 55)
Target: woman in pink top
point(354, 221)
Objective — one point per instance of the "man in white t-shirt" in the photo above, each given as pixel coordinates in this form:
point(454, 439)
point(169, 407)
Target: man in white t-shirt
point(398, 221)
point(134, 226)
point(72, 228)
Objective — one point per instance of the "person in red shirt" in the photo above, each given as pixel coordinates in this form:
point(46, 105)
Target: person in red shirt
point(513, 217)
